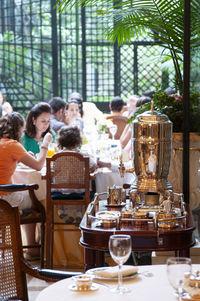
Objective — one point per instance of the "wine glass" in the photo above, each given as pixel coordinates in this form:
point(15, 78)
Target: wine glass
point(120, 250)
point(177, 268)
point(113, 130)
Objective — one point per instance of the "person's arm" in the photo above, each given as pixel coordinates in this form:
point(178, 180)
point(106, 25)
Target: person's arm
point(93, 165)
point(101, 164)
point(126, 136)
point(38, 163)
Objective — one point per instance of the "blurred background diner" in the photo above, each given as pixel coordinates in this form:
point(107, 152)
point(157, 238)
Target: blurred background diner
point(58, 112)
point(131, 105)
point(5, 106)
point(73, 114)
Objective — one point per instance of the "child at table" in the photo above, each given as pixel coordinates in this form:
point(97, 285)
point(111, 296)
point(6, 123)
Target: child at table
point(69, 139)
point(12, 152)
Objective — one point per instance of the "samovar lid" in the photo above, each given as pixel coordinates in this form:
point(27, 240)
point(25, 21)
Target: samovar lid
point(150, 116)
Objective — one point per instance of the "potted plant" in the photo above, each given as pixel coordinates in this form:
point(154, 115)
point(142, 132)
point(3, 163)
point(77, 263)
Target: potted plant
point(172, 106)
point(161, 19)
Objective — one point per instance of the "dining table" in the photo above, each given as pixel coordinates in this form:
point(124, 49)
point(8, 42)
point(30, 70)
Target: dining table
point(150, 283)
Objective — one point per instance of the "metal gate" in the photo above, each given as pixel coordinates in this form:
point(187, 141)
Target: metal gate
point(44, 54)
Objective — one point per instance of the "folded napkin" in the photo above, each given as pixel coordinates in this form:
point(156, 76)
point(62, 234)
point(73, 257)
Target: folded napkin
point(112, 272)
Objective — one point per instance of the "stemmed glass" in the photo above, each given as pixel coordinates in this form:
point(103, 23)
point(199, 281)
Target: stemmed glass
point(113, 130)
point(177, 268)
point(120, 250)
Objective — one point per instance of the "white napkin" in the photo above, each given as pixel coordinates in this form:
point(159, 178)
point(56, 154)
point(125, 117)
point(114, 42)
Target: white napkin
point(112, 272)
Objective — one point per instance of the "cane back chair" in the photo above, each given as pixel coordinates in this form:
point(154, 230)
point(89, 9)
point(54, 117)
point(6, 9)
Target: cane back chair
point(31, 216)
point(13, 266)
point(65, 170)
point(120, 121)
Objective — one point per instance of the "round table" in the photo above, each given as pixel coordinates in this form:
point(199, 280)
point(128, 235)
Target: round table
point(143, 288)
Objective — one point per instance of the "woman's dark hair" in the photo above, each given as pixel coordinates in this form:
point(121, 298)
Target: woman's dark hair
point(69, 137)
point(149, 94)
point(35, 112)
point(10, 126)
point(73, 101)
point(142, 100)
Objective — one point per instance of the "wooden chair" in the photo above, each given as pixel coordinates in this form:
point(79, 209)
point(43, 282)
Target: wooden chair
point(34, 215)
point(120, 121)
point(65, 170)
point(13, 266)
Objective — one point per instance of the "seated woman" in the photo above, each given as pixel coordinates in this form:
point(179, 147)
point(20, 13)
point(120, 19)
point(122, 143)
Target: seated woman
point(77, 96)
point(37, 126)
point(12, 152)
point(69, 139)
point(73, 115)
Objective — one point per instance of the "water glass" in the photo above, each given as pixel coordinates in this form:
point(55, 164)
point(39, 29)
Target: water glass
point(177, 268)
point(120, 247)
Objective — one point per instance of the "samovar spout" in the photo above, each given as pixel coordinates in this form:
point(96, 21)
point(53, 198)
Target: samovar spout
point(122, 168)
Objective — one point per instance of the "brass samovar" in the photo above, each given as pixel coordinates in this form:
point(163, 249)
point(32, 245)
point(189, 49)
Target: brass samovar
point(151, 154)
point(151, 200)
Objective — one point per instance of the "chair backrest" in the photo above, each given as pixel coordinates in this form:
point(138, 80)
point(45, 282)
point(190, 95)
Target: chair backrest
point(68, 170)
point(120, 121)
point(12, 278)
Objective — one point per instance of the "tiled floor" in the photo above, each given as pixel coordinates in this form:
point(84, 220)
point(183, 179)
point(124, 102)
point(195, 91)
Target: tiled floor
point(35, 286)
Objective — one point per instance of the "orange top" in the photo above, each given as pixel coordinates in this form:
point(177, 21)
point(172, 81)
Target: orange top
point(11, 151)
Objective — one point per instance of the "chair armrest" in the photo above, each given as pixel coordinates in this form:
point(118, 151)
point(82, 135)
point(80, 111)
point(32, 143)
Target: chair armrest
point(22, 187)
point(18, 187)
point(46, 274)
point(56, 274)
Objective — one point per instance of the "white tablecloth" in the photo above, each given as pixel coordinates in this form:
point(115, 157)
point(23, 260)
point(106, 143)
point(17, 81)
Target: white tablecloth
point(105, 178)
point(155, 288)
point(26, 175)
